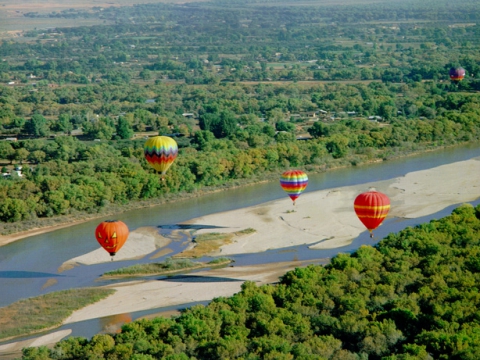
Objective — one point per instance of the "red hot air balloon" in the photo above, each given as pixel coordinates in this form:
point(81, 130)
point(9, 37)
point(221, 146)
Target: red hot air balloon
point(111, 235)
point(457, 74)
point(371, 208)
point(293, 182)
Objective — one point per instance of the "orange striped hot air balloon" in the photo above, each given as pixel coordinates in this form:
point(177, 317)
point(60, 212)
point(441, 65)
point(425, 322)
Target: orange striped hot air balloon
point(293, 182)
point(371, 208)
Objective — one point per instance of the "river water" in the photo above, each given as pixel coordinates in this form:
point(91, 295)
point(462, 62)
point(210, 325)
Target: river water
point(27, 266)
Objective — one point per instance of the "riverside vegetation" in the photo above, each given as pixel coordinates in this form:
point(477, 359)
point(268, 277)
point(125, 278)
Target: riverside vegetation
point(170, 266)
point(238, 84)
point(415, 295)
point(47, 311)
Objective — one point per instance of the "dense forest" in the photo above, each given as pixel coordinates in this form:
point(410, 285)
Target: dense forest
point(246, 88)
point(415, 295)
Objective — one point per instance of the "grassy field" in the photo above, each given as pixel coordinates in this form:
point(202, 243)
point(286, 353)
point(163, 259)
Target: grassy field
point(169, 267)
point(205, 244)
point(32, 315)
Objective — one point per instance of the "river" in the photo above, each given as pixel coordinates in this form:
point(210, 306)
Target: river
point(27, 266)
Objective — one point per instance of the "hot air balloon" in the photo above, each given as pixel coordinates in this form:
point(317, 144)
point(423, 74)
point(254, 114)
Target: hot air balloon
point(160, 152)
point(457, 74)
point(371, 208)
point(111, 235)
point(293, 182)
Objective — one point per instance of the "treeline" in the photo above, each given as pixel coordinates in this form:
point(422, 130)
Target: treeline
point(66, 175)
point(413, 296)
point(105, 110)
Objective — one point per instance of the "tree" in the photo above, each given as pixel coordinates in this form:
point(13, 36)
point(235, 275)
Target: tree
point(21, 154)
point(319, 129)
point(145, 74)
point(221, 124)
point(36, 126)
point(387, 110)
point(12, 210)
point(6, 151)
point(285, 126)
point(67, 149)
point(64, 124)
point(37, 156)
point(337, 145)
point(98, 129)
point(124, 129)
point(203, 139)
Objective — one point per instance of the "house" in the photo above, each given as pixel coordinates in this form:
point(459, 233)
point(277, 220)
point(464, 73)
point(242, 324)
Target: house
point(18, 171)
point(310, 114)
point(304, 137)
point(188, 115)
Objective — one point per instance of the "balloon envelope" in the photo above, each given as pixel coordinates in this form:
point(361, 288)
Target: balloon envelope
point(111, 235)
point(457, 74)
point(160, 152)
point(371, 208)
point(294, 182)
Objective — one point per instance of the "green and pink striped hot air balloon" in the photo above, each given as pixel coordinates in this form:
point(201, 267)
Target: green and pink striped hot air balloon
point(160, 152)
point(293, 182)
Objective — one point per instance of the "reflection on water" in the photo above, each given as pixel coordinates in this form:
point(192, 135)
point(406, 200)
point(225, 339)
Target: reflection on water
point(113, 324)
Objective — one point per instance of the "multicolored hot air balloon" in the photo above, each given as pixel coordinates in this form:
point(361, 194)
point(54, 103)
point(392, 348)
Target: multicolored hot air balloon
point(160, 152)
point(111, 235)
point(457, 74)
point(371, 208)
point(293, 182)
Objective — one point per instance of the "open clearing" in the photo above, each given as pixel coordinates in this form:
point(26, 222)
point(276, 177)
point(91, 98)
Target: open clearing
point(13, 21)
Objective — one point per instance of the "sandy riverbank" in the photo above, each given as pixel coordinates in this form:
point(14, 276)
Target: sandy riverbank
point(323, 219)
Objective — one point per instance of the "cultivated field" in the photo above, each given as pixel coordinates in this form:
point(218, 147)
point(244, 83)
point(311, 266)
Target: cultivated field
point(13, 21)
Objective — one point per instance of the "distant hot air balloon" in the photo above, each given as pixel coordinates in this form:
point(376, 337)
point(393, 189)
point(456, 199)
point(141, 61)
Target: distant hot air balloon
point(371, 208)
point(160, 152)
point(111, 235)
point(457, 74)
point(293, 182)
